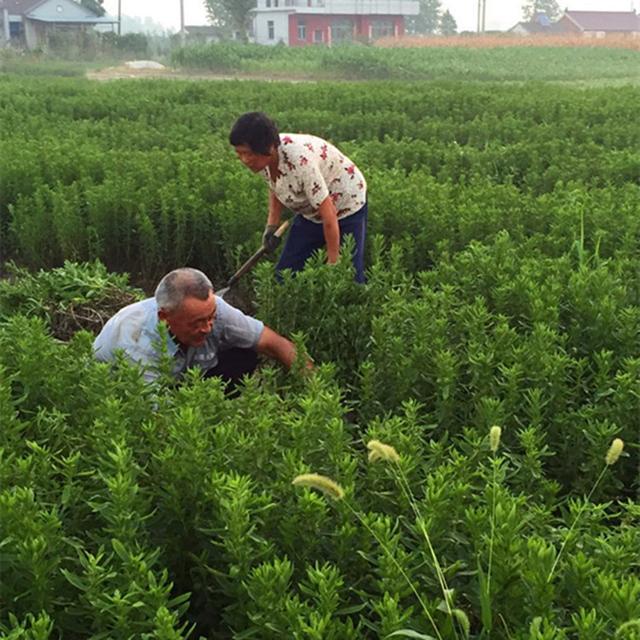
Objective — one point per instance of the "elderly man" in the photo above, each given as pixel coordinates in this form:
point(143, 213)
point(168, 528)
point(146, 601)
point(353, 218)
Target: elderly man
point(203, 331)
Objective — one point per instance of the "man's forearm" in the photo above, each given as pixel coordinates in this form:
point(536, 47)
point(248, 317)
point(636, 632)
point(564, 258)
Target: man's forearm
point(273, 345)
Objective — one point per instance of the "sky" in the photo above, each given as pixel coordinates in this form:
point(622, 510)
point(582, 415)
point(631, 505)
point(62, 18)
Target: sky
point(501, 14)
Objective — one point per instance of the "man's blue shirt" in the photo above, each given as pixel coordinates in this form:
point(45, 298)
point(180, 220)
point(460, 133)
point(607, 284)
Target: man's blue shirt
point(134, 331)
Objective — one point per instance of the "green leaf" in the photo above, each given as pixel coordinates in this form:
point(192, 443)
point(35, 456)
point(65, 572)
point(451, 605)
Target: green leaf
point(120, 549)
point(408, 633)
point(627, 625)
point(178, 600)
point(346, 611)
point(75, 580)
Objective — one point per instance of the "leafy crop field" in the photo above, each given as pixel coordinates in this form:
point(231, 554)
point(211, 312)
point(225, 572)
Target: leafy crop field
point(474, 416)
point(451, 59)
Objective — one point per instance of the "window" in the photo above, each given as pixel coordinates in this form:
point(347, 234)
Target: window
point(381, 29)
point(302, 30)
point(268, 4)
point(275, 3)
point(341, 30)
point(317, 35)
point(272, 30)
point(16, 31)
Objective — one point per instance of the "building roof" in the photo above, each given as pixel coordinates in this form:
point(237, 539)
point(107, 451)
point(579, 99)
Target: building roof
point(539, 24)
point(605, 20)
point(341, 7)
point(31, 10)
point(536, 27)
point(19, 7)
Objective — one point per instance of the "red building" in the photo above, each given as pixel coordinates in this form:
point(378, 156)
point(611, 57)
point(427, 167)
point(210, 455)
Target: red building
point(304, 22)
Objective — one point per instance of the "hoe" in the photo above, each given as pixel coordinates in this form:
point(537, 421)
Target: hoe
point(254, 259)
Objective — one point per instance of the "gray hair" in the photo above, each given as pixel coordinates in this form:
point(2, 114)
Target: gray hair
point(180, 284)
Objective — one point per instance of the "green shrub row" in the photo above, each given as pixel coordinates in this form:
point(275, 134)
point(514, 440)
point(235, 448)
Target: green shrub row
point(164, 512)
point(502, 290)
point(146, 180)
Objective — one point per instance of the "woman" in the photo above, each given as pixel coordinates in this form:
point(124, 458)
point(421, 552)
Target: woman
point(313, 179)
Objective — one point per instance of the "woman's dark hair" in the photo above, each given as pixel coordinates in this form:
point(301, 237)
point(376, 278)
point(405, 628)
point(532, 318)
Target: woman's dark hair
point(257, 131)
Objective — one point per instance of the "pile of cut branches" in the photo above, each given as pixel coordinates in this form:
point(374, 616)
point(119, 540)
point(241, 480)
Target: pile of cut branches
point(70, 298)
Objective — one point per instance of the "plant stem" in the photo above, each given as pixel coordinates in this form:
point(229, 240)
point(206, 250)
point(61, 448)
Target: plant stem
point(582, 508)
point(397, 564)
point(406, 489)
point(493, 525)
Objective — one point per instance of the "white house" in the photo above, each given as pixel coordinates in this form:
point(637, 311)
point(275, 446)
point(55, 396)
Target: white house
point(29, 23)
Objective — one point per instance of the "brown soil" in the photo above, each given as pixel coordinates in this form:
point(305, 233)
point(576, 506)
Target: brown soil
point(495, 41)
point(125, 73)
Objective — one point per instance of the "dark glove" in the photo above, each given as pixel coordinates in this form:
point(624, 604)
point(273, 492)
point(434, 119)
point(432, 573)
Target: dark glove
point(269, 240)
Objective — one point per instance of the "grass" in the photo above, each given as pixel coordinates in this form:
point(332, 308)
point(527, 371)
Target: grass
point(501, 58)
point(41, 65)
point(455, 60)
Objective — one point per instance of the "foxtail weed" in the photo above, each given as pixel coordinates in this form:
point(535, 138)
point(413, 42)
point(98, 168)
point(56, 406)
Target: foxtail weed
point(322, 483)
point(384, 452)
point(333, 490)
point(614, 452)
point(381, 451)
point(495, 434)
point(494, 438)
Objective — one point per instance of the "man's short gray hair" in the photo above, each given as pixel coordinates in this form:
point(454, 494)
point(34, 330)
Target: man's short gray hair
point(180, 284)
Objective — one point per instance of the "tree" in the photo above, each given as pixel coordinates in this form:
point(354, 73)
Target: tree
point(448, 24)
point(427, 20)
point(94, 5)
point(232, 15)
point(533, 7)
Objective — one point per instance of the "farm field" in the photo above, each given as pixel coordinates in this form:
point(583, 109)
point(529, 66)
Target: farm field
point(495, 347)
point(452, 59)
point(576, 61)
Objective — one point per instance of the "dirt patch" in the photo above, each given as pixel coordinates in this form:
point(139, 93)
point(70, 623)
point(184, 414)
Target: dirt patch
point(126, 73)
point(122, 71)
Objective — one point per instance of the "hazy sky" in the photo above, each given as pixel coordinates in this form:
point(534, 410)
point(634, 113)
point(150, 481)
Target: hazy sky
point(501, 14)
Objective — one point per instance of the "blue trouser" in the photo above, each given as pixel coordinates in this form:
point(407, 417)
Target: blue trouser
point(306, 237)
point(233, 365)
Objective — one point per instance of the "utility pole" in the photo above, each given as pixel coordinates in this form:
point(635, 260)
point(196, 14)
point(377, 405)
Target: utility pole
point(119, 17)
point(482, 12)
point(182, 33)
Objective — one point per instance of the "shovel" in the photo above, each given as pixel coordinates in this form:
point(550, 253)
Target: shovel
point(251, 262)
